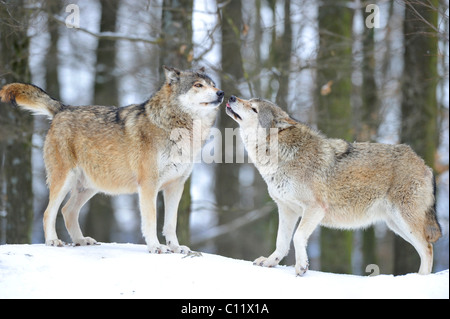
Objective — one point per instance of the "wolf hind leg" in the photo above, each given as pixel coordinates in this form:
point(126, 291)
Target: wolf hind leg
point(60, 183)
point(78, 198)
point(417, 239)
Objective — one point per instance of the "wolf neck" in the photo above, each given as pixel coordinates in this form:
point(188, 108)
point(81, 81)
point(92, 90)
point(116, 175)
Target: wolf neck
point(292, 144)
point(262, 148)
point(163, 110)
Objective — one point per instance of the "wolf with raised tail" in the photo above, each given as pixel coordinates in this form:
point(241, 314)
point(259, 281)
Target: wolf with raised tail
point(122, 150)
point(335, 183)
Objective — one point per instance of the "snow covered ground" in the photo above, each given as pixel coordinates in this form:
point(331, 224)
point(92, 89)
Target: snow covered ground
point(128, 271)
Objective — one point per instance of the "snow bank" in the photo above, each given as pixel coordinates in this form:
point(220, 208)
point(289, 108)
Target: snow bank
point(128, 271)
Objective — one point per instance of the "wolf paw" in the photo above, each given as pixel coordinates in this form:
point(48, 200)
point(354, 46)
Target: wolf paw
point(85, 241)
point(180, 249)
point(300, 270)
point(159, 249)
point(267, 261)
point(54, 242)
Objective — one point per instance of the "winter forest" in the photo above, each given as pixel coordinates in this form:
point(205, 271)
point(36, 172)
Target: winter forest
point(358, 70)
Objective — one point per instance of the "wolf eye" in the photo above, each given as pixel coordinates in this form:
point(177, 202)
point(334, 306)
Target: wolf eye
point(198, 85)
point(254, 110)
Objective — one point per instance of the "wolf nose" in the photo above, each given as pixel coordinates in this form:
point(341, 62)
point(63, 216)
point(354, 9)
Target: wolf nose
point(220, 94)
point(233, 99)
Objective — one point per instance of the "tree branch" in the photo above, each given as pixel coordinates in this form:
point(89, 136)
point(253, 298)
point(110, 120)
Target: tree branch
point(410, 5)
point(113, 36)
point(233, 225)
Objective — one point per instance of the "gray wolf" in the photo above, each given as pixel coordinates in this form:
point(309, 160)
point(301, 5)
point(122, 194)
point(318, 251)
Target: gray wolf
point(118, 150)
point(337, 184)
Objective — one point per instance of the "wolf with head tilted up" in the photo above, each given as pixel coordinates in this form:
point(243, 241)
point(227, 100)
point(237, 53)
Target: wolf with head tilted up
point(337, 184)
point(117, 150)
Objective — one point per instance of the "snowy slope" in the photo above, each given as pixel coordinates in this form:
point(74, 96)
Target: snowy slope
point(128, 271)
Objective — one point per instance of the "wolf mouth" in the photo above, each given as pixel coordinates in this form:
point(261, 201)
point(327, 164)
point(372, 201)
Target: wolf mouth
point(231, 112)
point(220, 96)
point(216, 102)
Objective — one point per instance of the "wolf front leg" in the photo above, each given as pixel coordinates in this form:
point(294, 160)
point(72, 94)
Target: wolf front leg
point(287, 220)
point(172, 197)
point(312, 216)
point(147, 203)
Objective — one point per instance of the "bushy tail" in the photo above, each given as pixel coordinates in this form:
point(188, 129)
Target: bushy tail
point(432, 228)
point(31, 98)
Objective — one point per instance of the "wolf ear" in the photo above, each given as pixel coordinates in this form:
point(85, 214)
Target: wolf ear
point(172, 74)
point(202, 70)
point(265, 117)
point(284, 123)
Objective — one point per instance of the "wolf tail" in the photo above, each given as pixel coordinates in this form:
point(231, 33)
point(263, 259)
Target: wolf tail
point(31, 98)
point(432, 228)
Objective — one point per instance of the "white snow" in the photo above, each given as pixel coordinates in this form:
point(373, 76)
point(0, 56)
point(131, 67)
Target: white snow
point(128, 271)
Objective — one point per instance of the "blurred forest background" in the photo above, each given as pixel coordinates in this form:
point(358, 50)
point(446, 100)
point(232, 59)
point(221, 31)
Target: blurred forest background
point(322, 61)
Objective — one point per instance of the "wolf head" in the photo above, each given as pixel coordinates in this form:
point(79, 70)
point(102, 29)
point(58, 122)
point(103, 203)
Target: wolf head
point(195, 91)
point(257, 113)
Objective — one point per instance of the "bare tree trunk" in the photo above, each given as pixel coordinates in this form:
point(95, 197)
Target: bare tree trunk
point(177, 45)
point(227, 196)
point(367, 132)
point(100, 221)
point(53, 7)
point(419, 105)
point(334, 111)
point(16, 196)
point(284, 58)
